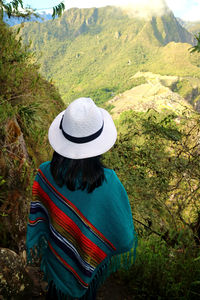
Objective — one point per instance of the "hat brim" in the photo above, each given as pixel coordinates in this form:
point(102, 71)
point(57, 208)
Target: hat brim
point(72, 150)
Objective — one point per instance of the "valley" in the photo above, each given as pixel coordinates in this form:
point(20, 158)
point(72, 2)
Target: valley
point(96, 52)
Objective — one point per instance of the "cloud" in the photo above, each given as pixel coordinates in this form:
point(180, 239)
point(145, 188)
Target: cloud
point(193, 12)
point(146, 8)
point(185, 9)
point(177, 5)
point(138, 8)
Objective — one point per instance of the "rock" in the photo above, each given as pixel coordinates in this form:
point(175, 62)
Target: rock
point(14, 280)
point(15, 170)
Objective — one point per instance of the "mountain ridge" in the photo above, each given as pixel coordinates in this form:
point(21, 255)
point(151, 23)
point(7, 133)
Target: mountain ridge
point(102, 48)
point(77, 21)
point(193, 27)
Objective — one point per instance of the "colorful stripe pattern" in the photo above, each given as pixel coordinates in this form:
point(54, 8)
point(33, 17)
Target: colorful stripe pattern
point(77, 212)
point(60, 241)
point(84, 284)
point(65, 234)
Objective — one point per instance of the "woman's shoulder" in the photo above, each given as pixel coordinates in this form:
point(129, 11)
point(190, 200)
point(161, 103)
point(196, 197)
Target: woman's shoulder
point(110, 173)
point(112, 179)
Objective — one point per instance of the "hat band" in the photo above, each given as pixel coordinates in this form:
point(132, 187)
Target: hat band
point(81, 140)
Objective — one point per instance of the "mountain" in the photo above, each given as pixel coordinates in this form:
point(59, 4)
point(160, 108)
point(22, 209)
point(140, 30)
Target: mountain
point(193, 27)
point(95, 52)
point(43, 16)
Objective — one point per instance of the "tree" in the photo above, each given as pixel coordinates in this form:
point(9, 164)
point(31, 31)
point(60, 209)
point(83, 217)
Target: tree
point(157, 158)
point(15, 8)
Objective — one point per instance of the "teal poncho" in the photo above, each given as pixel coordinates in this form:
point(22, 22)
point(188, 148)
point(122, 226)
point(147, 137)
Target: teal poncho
point(81, 237)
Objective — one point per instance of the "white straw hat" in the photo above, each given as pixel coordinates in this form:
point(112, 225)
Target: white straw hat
point(82, 130)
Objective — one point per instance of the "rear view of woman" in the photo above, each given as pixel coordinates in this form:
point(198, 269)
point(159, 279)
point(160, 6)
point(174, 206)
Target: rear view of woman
point(80, 220)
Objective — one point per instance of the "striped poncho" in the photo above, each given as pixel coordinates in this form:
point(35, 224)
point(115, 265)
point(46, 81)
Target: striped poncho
point(80, 237)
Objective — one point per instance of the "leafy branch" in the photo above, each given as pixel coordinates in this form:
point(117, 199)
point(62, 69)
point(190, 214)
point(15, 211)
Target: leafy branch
point(15, 8)
point(197, 47)
point(58, 10)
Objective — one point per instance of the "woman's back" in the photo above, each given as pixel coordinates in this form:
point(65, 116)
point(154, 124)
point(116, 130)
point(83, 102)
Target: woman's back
point(80, 224)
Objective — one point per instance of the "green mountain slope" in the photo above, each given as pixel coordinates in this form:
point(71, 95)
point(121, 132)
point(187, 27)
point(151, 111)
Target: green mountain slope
point(28, 103)
point(101, 49)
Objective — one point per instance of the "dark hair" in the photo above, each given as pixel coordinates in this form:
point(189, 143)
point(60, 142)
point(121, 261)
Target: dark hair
point(87, 173)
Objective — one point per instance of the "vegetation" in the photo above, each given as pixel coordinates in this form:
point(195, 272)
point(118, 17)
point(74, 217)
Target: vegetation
point(28, 103)
point(196, 48)
point(156, 155)
point(157, 159)
point(101, 49)
point(194, 28)
point(189, 89)
point(162, 272)
point(159, 153)
point(15, 8)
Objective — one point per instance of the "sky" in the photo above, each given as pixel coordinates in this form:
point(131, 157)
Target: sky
point(188, 10)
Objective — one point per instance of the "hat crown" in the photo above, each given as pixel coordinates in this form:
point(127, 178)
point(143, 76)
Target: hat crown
point(82, 118)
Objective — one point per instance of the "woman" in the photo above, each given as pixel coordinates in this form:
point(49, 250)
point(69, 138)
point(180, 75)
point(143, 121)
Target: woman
point(80, 219)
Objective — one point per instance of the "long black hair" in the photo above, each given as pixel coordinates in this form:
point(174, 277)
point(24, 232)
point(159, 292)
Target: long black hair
point(87, 173)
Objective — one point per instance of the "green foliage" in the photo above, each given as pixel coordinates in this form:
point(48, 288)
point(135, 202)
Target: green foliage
point(12, 6)
point(29, 114)
point(157, 159)
point(28, 103)
point(16, 9)
point(24, 93)
point(2, 181)
point(101, 95)
point(6, 111)
point(189, 89)
point(58, 10)
point(196, 48)
point(162, 272)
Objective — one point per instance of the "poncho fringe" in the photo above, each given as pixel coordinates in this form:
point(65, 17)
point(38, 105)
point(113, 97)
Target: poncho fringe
point(121, 261)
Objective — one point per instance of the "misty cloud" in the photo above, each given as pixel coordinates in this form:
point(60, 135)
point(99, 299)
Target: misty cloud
point(145, 8)
point(185, 9)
